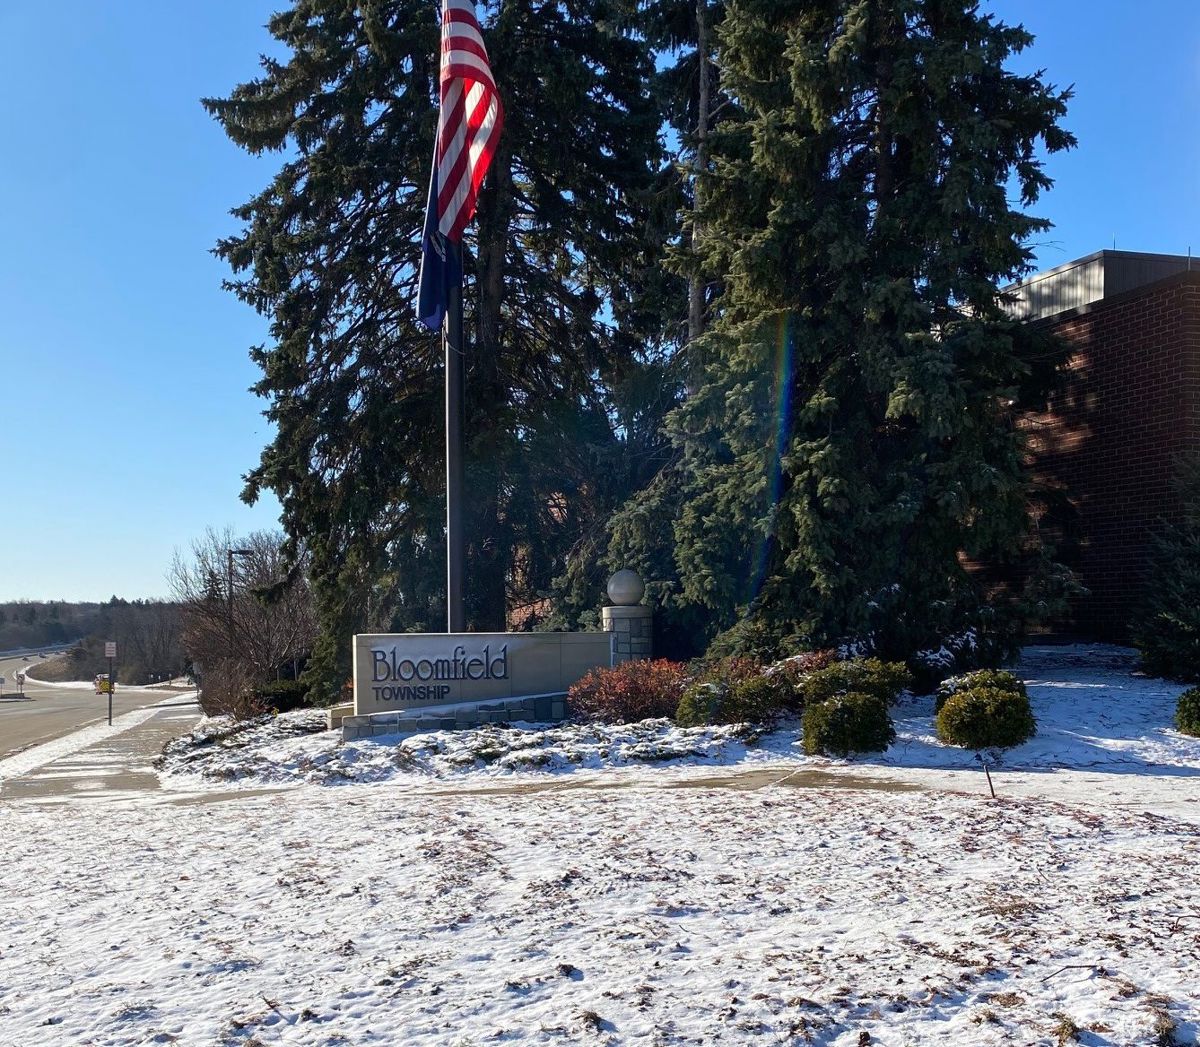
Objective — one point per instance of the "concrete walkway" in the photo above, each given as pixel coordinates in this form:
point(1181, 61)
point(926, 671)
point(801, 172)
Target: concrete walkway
point(98, 763)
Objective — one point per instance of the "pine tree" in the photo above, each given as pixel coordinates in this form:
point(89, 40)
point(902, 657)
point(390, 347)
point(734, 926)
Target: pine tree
point(684, 31)
point(329, 251)
point(691, 103)
point(1166, 625)
point(853, 436)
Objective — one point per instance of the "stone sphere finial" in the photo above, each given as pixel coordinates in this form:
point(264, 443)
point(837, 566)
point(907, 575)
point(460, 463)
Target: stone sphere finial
point(626, 588)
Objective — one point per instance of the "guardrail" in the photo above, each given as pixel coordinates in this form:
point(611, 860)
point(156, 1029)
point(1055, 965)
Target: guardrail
point(67, 645)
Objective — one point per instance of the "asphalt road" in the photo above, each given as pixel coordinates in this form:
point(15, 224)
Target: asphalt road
point(47, 711)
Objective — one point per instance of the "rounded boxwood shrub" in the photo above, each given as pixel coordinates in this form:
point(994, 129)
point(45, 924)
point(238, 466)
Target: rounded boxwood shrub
point(699, 706)
point(1187, 712)
point(986, 718)
point(632, 691)
point(848, 723)
point(735, 690)
point(884, 680)
point(1000, 679)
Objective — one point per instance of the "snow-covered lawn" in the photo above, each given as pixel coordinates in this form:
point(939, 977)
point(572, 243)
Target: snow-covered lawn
point(636, 915)
point(1093, 713)
point(463, 895)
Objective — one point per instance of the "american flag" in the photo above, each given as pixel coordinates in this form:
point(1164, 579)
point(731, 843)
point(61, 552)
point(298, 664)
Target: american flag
point(469, 125)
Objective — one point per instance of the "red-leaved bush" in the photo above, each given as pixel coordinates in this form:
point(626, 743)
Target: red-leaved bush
point(810, 661)
point(631, 691)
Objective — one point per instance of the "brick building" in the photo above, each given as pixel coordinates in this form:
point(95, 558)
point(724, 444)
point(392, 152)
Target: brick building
point(1130, 406)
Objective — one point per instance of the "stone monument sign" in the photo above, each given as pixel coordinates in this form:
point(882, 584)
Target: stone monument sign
point(407, 671)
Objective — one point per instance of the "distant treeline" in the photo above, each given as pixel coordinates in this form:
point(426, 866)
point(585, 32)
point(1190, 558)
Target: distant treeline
point(30, 623)
point(146, 632)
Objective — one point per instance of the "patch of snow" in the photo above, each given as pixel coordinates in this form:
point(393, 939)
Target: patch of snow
point(1093, 712)
point(950, 653)
point(855, 649)
point(89, 685)
point(473, 894)
point(638, 915)
point(294, 747)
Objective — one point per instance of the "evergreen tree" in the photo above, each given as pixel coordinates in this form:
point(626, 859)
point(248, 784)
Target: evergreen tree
point(684, 30)
point(853, 434)
point(330, 251)
point(1166, 625)
point(691, 103)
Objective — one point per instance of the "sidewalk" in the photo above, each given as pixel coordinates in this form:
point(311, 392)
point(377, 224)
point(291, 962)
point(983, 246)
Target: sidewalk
point(98, 762)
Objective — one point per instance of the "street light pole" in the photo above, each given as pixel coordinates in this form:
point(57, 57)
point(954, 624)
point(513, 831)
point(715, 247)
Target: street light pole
point(231, 553)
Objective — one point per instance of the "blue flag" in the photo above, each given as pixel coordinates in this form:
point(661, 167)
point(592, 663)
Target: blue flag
point(440, 268)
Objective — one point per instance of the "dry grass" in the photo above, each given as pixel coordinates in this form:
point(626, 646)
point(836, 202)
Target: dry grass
point(1162, 1025)
point(1065, 1030)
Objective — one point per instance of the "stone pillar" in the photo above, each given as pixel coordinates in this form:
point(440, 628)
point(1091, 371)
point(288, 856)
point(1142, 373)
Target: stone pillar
point(628, 618)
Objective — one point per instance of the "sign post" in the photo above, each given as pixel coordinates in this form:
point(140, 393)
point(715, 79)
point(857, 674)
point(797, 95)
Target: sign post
point(110, 652)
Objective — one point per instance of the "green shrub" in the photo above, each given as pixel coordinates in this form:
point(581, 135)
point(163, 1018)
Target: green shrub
point(632, 691)
point(997, 678)
point(747, 701)
point(991, 639)
point(763, 641)
point(884, 680)
point(735, 690)
point(848, 723)
point(699, 705)
point(1169, 640)
point(985, 718)
point(1166, 622)
point(1187, 712)
point(281, 696)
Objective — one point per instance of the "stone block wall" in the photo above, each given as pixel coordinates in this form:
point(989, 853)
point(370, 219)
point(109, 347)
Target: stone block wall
point(539, 709)
point(632, 629)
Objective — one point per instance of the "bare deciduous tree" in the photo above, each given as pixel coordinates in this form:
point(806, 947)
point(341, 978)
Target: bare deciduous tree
point(149, 635)
point(247, 617)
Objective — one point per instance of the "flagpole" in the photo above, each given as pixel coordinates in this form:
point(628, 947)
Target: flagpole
point(469, 124)
point(456, 546)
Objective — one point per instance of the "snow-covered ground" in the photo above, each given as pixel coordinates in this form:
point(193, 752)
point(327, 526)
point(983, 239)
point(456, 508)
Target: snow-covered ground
point(1094, 714)
point(90, 685)
point(625, 885)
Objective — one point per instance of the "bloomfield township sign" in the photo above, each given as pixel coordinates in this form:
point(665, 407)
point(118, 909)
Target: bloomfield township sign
point(391, 674)
point(421, 670)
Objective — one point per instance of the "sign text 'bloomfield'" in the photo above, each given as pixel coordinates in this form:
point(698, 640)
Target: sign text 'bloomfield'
point(415, 670)
point(392, 677)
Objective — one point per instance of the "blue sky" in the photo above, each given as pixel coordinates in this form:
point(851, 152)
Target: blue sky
point(125, 423)
point(1136, 112)
point(125, 420)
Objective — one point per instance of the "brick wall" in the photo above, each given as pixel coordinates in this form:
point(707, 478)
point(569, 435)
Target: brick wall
point(1130, 405)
